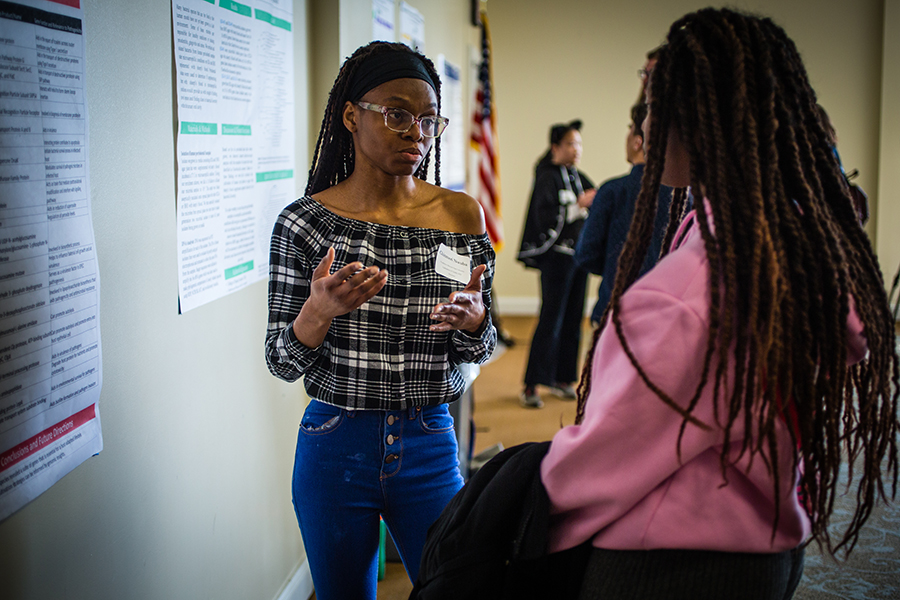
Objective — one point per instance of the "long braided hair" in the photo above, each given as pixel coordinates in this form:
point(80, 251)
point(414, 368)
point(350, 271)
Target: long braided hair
point(333, 158)
point(790, 258)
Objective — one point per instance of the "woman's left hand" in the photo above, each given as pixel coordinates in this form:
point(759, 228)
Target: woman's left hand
point(464, 310)
point(586, 199)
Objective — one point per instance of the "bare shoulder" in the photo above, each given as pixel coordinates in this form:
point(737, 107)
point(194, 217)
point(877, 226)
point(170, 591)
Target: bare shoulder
point(457, 212)
point(331, 198)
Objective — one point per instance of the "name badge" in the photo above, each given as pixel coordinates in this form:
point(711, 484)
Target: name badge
point(567, 197)
point(452, 266)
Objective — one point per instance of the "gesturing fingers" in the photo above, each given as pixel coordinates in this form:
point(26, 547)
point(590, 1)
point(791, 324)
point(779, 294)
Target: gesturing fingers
point(474, 284)
point(466, 311)
point(464, 308)
point(355, 285)
point(324, 266)
point(366, 283)
point(346, 289)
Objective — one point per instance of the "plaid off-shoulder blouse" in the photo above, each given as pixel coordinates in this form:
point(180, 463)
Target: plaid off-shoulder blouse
point(381, 356)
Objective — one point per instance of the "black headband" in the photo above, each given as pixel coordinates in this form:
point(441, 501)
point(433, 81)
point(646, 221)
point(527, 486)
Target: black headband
point(387, 66)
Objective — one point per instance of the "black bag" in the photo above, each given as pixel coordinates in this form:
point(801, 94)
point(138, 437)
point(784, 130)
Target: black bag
point(490, 541)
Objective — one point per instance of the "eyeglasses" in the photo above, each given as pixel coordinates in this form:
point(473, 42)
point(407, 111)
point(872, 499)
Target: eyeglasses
point(401, 121)
point(643, 74)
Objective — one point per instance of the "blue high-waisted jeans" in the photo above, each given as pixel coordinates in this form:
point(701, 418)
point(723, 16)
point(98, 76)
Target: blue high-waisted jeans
point(351, 467)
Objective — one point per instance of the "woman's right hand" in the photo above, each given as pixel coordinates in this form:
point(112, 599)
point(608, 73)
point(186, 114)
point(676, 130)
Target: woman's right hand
point(586, 199)
point(335, 294)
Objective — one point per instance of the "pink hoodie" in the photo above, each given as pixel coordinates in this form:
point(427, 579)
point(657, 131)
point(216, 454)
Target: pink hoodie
point(617, 479)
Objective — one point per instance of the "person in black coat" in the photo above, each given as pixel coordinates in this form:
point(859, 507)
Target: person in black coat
point(556, 213)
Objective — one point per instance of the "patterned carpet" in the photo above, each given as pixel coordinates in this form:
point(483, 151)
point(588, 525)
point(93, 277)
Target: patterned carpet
point(873, 570)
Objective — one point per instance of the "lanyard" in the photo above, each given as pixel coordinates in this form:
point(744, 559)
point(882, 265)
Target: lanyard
point(566, 175)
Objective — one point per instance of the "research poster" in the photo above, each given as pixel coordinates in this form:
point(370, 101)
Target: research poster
point(412, 27)
point(453, 140)
point(50, 367)
point(383, 27)
point(235, 147)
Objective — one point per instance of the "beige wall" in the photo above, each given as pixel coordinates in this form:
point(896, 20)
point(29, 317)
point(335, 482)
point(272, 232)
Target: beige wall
point(579, 58)
point(888, 226)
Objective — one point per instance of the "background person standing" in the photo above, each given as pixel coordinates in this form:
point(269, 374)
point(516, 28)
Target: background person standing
point(559, 202)
point(606, 227)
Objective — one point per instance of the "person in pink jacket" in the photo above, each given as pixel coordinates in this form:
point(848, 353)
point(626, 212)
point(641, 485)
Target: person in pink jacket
point(725, 385)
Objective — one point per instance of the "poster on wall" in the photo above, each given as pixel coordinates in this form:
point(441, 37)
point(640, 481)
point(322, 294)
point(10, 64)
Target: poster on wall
point(412, 27)
point(50, 367)
point(235, 148)
point(453, 140)
point(383, 27)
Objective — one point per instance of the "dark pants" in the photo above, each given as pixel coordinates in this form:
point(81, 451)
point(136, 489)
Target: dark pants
point(557, 338)
point(691, 575)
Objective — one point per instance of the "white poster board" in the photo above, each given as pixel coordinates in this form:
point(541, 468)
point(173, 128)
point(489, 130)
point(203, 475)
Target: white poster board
point(50, 367)
point(383, 26)
point(235, 150)
point(453, 140)
point(412, 27)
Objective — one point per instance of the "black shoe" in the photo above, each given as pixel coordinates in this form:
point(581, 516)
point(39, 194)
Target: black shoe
point(505, 339)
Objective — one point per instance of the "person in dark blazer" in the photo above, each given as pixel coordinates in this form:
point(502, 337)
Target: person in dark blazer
point(606, 227)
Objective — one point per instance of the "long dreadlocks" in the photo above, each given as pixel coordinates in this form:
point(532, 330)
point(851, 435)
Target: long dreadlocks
point(333, 158)
point(790, 258)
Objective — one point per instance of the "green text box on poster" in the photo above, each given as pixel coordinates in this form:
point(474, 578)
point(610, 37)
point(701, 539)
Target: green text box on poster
point(235, 129)
point(273, 175)
point(189, 128)
point(239, 269)
point(273, 20)
point(237, 7)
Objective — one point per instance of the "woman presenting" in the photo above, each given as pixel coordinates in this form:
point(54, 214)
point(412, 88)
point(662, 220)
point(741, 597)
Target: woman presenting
point(379, 289)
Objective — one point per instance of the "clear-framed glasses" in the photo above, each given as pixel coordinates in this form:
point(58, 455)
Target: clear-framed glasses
point(643, 74)
point(401, 121)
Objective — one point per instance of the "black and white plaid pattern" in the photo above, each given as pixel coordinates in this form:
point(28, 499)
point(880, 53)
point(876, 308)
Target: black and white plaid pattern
point(382, 355)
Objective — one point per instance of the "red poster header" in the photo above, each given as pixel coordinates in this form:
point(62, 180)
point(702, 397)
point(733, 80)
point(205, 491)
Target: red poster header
point(46, 437)
point(72, 3)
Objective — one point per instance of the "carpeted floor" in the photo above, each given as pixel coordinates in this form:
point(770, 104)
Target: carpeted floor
point(873, 570)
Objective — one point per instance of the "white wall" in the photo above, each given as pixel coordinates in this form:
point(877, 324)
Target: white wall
point(190, 497)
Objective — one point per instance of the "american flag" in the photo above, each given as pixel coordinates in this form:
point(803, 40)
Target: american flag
point(484, 142)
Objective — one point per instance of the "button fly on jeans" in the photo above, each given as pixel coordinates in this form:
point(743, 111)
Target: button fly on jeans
point(390, 458)
point(390, 440)
point(390, 419)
